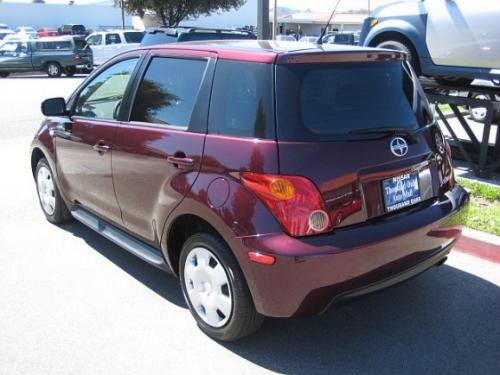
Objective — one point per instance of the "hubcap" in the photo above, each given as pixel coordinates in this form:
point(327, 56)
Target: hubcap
point(479, 113)
point(208, 287)
point(46, 190)
point(53, 70)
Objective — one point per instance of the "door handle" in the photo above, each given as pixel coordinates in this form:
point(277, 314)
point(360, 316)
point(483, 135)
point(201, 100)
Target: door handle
point(180, 162)
point(101, 147)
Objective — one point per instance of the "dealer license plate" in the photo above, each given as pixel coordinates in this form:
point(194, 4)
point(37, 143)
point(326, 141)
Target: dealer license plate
point(401, 191)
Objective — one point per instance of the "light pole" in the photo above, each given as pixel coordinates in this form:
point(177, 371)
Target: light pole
point(263, 19)
point(123, 15)
point(275, 18)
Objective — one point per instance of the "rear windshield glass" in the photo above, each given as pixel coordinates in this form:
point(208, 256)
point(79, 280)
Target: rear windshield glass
point(327, 101)
point(78, 28)
point(151, 39)
point(133, 36)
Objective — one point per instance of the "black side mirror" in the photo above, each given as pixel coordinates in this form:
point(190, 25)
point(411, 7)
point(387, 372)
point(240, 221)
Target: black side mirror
point(54, 107)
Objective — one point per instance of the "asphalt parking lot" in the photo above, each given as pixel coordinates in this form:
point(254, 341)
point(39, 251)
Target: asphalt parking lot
point(72, 302)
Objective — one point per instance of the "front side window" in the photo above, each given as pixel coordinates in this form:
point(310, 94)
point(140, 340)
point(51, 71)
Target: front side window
point(168, 92)
point(102, 97)
point(95, 40)
point(242, 100)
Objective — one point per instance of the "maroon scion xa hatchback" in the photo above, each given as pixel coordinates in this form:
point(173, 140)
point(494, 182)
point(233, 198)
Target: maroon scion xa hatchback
point(274, 179)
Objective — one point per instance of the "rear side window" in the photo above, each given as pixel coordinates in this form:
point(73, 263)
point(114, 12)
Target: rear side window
point(63, 45)
point(321, 102)
point(242, 100)
point(168, 92)
point(133, 36)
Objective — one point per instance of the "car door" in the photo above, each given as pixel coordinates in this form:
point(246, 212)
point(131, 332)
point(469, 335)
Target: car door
point(84, 141)
point(96, 45)
point(15, 56)
point(464, 32)
point(113, 42)
point(158, 151)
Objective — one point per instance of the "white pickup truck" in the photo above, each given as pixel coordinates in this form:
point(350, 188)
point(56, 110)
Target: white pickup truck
point(106, 44)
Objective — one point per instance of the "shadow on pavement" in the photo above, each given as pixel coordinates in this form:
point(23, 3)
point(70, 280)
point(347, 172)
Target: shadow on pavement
point(444, 321)
point(157, 280)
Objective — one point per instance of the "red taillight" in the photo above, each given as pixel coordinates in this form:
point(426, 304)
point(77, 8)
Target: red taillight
point(77, 58)
point(294, 200)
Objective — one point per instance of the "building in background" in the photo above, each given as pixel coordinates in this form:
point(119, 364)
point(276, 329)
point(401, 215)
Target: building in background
point(312, 23)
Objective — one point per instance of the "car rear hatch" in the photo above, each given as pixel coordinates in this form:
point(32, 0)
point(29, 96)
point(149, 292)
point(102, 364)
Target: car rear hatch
point(358, 125)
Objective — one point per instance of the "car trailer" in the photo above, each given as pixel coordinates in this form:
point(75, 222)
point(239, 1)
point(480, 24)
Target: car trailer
point(481, 157)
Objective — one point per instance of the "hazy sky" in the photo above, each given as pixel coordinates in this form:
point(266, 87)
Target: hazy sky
point(314, 5)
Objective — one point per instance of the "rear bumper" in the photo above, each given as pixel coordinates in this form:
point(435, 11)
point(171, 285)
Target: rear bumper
point(312, 272)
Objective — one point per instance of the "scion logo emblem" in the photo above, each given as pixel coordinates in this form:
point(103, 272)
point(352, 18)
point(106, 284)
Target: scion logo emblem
point(399, 147)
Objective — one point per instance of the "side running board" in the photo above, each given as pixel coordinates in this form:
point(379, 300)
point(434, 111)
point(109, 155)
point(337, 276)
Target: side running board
point(119, 237)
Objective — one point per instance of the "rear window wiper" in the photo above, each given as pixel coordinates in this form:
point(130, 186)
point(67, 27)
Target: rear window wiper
point(389, 131)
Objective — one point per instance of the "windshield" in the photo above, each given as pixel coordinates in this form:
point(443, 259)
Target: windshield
point(322, 102)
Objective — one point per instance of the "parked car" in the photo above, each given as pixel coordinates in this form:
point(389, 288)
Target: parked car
point(165, 35)
point(455, 41)
point(26, 31)
point(285, 38)
point(52, 55)
point(106, 44)
point(345, 38)
point(228, 162)
point(5, 32)
point(73, 29)
point(47, 31)
point(309, 39)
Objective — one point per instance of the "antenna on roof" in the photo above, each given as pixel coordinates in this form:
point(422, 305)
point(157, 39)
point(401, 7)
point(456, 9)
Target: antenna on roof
point(320, 39)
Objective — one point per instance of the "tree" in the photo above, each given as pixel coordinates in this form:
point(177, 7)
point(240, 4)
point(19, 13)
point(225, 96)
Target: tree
point(172, 12)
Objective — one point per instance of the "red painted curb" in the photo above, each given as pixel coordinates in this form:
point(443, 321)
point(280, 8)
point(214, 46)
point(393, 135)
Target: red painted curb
point(479, 244)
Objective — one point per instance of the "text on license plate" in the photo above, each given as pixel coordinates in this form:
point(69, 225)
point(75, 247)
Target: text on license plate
point(401, 191)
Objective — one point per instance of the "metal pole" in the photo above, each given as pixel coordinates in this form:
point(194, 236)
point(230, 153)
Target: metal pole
point(123, 15)
point(263, 19)
point(369, 7)
point(275, 18)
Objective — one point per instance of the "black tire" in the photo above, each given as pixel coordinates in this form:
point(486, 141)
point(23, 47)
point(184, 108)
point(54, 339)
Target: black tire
point(454, 81)
point(53, 69)
point(60, 213)
point(4, 74)
point(403, 46)
point(478, 114)
point(70, 71)
point(244, 318)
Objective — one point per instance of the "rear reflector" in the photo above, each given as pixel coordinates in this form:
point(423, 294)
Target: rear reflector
point(261, 258)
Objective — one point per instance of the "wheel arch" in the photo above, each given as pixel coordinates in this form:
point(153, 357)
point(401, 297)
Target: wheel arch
point(401, 29)
point(36, 155)
point(179, 230)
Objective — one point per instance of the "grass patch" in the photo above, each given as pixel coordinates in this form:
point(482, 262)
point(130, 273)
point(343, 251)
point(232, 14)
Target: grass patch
point(483, 211)
point(488, 192)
